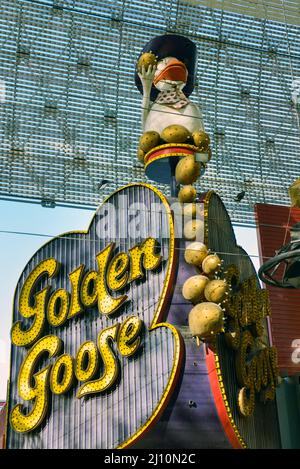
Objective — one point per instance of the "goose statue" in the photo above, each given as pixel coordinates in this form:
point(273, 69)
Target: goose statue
point(172, 125)
point(171, 107)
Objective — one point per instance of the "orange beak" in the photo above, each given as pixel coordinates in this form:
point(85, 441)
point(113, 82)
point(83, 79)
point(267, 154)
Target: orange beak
point(175, 71)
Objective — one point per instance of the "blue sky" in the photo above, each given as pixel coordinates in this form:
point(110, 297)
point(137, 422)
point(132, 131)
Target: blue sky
point(16, 250)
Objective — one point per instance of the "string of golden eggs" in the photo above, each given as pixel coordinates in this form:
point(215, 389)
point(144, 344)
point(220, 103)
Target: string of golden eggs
point(205, 291)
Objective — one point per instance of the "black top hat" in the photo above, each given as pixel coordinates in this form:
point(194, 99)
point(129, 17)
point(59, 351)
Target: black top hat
point(172, 45)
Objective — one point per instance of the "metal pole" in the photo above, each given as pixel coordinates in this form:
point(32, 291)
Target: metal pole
point(174, 187)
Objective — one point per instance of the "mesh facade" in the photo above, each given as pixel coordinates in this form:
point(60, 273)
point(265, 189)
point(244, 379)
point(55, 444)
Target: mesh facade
point(70, 112)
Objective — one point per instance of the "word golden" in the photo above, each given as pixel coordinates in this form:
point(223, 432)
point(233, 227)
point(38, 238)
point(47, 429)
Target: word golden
point(87, 289)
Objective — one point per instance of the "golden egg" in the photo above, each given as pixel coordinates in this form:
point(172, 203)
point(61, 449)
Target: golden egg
point(195, 253)
point(194, 230)
point(145, 60)
point(205, 320)
point(141, 155)
point(193, 288)
point(245, 405)
point(187, 170)
point(187, 194)
point(201, 140)
point(211, 264)
point(175, 134)
point(149, 140)
point(294, 193)
point(215, 290)
point(192, 211)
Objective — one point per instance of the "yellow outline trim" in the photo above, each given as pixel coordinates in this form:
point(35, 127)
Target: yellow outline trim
point(177, 336)
point(171, 145)
point(161, 157)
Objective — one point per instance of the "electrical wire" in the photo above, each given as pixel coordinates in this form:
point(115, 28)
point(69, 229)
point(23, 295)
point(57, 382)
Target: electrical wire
point(134, 213)
point(76, 238)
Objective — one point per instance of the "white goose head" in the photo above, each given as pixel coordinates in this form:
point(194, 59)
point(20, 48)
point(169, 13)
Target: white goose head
point(170, 73)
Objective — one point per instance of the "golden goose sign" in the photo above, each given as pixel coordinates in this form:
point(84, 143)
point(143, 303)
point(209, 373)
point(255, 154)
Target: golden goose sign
point(91, 358)
point(102, 356)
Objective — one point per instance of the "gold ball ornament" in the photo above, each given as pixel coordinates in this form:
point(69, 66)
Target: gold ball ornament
point(195, 253)
point(175, 134)
point(192, 211)
point(194, 230)
point(211, 264)
point(149, 140)
point(193, 288)
point(145, 60)
point(141, 155)
point(205, 320)
point(187, 194)
point(201, 140)
point(215, 291)
point(187, 170)
point(245, 405)
point(294, 193)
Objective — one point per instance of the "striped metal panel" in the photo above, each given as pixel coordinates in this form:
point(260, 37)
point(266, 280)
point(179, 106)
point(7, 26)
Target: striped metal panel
point(71, 114)
point(273, 223)
point(275, 10)
point(106, 420)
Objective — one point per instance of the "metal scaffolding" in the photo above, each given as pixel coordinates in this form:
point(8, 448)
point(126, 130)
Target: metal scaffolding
point(70, 112)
